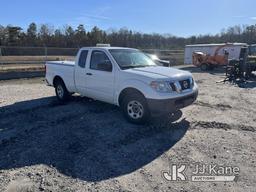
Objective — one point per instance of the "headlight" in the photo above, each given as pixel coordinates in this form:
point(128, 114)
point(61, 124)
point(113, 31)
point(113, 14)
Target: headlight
point(161, 86)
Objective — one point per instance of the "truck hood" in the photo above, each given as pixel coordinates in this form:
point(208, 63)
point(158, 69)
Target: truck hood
point(159, 72)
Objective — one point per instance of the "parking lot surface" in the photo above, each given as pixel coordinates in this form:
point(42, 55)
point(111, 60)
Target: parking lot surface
point(86, 145)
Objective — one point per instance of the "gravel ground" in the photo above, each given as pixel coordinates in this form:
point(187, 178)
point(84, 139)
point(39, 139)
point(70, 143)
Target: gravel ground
point(87, 145)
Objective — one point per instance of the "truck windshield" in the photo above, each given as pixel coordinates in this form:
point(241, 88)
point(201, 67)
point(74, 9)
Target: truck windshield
point(128, 58)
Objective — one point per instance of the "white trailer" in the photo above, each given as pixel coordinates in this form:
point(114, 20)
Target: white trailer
point(232, 48)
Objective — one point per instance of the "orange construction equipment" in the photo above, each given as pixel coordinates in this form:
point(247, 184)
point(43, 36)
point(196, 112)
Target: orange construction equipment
point(206, 61)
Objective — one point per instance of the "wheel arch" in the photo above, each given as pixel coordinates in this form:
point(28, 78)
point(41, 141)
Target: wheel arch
point(128, 90)
point(56, 79)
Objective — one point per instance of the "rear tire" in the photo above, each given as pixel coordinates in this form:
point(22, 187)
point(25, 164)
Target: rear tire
point(61, 91)
point(135, 108)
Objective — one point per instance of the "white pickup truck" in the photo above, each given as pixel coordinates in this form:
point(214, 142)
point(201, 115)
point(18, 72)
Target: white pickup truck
point(124, 77)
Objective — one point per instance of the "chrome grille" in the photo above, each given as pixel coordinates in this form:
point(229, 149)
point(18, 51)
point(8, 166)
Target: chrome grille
point(173, 86)
point(181, 85)
point(185, 84)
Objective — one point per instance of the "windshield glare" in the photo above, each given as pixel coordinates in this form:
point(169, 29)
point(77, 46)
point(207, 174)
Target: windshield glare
point(127, 58)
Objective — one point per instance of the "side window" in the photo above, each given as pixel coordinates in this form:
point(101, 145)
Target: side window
point(100, 61)
point(82, 58)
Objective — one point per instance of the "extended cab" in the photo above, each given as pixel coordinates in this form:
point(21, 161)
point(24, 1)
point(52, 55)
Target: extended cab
point(124, 77)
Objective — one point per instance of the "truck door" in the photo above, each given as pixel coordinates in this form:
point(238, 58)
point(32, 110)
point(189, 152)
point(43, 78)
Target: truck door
point(100, 77)
point(80, 72)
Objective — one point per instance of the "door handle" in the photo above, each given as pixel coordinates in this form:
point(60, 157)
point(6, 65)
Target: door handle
point(88, 74)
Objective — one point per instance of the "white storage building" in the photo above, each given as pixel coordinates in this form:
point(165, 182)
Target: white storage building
point(232, 48)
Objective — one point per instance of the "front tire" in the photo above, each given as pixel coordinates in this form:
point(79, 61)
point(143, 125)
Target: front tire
point(61, 91)
point(135, 108)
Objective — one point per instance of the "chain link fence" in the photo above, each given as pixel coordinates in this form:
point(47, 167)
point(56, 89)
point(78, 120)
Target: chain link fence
point(39, 55)
point(34, 55)
point(27, 62)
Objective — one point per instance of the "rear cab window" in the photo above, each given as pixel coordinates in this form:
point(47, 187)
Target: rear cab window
point(83, 58)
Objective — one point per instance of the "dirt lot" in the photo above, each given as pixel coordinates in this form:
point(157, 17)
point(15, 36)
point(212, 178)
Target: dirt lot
point(87, 145)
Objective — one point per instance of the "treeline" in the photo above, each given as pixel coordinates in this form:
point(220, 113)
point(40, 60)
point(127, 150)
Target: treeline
point(47, 35)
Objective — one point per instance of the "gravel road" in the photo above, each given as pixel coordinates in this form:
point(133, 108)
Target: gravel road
point(86, 145)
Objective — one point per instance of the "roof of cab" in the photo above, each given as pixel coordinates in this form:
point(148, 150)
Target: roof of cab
point(107, 48)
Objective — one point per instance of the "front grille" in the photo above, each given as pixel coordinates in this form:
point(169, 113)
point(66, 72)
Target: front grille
point(185, 84)
point(173, 86)
point(181, 85)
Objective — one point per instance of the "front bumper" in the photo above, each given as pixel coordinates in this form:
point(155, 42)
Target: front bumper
point(163, 106)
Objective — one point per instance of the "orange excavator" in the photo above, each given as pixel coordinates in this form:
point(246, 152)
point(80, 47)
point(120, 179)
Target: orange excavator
point(208, 62)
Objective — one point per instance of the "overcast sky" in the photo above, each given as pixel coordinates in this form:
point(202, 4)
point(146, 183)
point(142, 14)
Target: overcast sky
point(176, 17)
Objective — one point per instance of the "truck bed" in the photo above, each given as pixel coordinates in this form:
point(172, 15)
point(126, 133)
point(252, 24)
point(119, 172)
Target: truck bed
point(63, 69)
point(67, 63)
